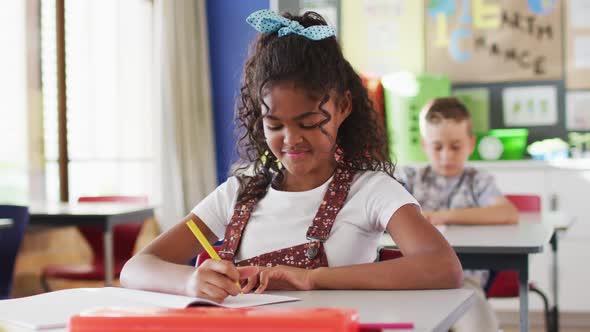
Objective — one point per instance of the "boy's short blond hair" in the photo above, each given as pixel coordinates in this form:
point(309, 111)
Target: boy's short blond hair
point(447, 108)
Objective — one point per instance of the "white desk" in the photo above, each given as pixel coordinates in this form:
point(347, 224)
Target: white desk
point(502, 247)
point(5, 223)
point(105, 215)
point(428, 310)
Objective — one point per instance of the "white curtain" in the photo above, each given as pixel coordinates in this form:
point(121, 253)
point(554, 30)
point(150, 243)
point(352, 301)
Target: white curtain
point(14, 140)
point(187, 147)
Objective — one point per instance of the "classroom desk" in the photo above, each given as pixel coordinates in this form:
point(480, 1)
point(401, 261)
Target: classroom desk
point(105, 215)
point(504, 247)
point(560, 223)
point(428, 310)
point(5, 223)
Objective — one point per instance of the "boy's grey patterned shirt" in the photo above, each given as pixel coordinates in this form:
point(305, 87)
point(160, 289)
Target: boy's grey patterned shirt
point(473, 188)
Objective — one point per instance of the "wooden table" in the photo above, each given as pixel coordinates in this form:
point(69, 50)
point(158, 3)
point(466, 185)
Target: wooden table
point(105, 215)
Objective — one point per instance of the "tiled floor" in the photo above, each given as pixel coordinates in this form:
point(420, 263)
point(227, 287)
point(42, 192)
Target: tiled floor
point(58, 246)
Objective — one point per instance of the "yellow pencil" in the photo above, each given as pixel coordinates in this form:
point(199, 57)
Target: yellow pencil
point(204, 243)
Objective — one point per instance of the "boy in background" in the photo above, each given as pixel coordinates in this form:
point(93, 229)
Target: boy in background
point(451, 193)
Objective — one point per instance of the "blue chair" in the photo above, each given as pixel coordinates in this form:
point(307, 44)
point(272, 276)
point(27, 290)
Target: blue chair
point(10, 239)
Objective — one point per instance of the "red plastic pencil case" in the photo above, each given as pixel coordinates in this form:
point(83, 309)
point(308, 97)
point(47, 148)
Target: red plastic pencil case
point(212, 319)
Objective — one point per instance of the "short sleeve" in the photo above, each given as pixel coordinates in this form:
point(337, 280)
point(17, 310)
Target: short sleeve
point(406, 176)
point(385, 196)
point(485, 188)
point(216, 209)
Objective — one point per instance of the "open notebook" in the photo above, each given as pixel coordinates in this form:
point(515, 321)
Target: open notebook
point(53, 310)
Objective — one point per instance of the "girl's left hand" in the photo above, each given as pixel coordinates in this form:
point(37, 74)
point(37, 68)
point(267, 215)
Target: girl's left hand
point(279, 278)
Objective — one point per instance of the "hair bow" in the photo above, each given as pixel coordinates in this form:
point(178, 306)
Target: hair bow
point(267, 21)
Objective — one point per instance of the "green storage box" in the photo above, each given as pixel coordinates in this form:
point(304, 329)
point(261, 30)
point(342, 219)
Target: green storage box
point(513, 141)
point(405, 95)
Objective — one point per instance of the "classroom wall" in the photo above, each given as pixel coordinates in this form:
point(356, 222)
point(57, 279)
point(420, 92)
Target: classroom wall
point(510, 54)
point(229, 37)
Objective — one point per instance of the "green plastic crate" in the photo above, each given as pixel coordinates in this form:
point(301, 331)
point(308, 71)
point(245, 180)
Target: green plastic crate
point(513, 140)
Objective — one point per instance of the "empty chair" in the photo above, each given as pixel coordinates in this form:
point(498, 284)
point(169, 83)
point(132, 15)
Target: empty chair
point(10, 240)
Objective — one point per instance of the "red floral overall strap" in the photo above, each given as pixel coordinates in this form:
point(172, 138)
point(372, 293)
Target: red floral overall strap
point(296, 256)
point(331, 205)
point(235, 228)
point(307, 255)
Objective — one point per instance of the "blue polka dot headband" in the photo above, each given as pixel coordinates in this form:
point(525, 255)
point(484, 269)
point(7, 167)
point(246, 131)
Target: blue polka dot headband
point(267, 21)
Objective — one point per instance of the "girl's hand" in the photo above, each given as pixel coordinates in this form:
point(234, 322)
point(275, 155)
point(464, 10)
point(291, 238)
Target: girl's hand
point(280, 278)
point(216, 279)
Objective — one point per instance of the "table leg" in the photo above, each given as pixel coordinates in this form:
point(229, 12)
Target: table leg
point(555, 283)
point(523, 291)
point(6, 223)
point(108, 255)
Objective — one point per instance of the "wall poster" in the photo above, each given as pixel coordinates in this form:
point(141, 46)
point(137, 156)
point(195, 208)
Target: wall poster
point(475, 41)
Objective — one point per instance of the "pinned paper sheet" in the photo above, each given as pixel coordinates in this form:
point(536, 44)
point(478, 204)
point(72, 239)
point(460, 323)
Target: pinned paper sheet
point(577, 107)
point(579, 12)
point(577, 42)
point(582, 52)
point(530, 106)
point(375, 35)
point(388, 8)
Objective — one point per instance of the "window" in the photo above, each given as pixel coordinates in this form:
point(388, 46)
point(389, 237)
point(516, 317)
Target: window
point(110, 106)
point(13, 104)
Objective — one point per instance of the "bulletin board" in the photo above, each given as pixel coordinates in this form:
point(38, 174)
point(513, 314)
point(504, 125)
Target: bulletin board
point(553, 126)
point(494, 40)
point(577, 34)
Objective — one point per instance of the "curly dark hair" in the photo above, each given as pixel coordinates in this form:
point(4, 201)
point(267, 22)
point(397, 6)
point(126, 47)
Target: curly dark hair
point(320, 68)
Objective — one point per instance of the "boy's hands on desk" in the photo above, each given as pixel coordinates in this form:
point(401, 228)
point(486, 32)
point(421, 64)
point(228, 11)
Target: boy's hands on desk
point(502, 212)
point(279, 278)
point(216, 279)
point(436, 217)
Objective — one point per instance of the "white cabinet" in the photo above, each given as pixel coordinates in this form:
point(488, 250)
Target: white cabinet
point(565, 187)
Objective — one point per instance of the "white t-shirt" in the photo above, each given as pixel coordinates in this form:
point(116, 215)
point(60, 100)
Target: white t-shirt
point(281, 218)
